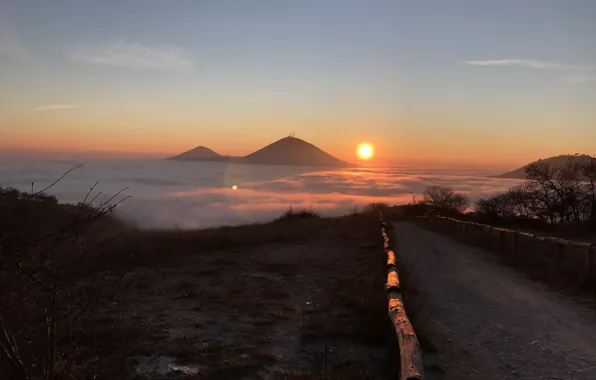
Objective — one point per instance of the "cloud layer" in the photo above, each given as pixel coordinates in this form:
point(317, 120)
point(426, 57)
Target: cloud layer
point(580, 78)
point(54, 107)
point(528, 64)
point(167, 194)
point(577, 74)
point(135, 55)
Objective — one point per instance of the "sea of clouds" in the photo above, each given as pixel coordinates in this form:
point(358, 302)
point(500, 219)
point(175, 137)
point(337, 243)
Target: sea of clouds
point(175, 194)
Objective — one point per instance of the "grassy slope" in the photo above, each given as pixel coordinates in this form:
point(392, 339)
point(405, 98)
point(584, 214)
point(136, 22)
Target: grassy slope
point(256, 299)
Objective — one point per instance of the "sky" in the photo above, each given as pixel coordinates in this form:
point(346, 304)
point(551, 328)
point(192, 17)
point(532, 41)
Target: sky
point(476, 83)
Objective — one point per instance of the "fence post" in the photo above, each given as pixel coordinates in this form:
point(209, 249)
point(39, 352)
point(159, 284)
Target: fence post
point(490, 238)
point(409, 348)
point(559, 258)
point(591, 266)
point(502, 239)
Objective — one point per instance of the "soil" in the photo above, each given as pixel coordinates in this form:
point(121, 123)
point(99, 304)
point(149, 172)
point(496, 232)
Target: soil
point(264, 312)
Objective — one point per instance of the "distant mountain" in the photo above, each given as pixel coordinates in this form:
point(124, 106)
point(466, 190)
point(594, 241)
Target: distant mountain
point(287, 151)
point(291, 151)
point(557, 161)
point(200, 153)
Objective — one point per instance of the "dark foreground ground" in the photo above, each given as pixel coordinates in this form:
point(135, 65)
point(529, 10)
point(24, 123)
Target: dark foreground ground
point(267, 311)
point(250, 302)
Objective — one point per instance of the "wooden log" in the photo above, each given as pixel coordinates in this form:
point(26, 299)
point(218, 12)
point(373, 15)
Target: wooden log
point(386, 240)
point(575, 262)
point(409, 348)
point(559, 258)
point(502, 241)
point(386, 245)
point(484, 236)
point(392, 284)
point(525, 248)
point(490, 238)
point(587, 268)
point(391, 258)
point(592, 266)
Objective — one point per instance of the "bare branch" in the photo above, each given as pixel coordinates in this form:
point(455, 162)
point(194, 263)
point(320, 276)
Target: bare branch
point(11, 350)
point(55, 182)
point(113, 197)
point(89, 192)
point(33, 276)
point(94, 198)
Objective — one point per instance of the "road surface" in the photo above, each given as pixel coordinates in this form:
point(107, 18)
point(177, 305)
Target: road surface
point(488, 321)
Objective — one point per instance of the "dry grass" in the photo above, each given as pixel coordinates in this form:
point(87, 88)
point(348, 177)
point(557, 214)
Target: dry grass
point(281, 300)
point(257, 300)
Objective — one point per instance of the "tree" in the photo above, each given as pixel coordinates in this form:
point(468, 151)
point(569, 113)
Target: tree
point(569, 182)
point(542, 191)
point(564, 194)
point(589, 172)
point(558, 189)
point(445, 199)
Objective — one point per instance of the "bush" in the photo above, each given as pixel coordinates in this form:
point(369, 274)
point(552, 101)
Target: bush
point(375, 207)
point(444, 200)
point(298, 213)
point(12, 194)
point(45, 247)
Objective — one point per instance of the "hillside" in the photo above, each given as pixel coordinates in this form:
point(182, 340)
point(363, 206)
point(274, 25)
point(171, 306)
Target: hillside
point(114, 286)
point(557, 161)
point(287, 151)
point(200, 153)
point(292, 151)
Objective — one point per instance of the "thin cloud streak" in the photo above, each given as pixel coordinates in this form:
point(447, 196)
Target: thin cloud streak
point(580, 78)
point(135, 55)
point(54, 107)
point(532, 64)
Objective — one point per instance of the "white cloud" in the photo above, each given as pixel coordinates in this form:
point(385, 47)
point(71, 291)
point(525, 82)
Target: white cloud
point(135, 55)
point(53, 107)
point(532, 64)
point(580, 78)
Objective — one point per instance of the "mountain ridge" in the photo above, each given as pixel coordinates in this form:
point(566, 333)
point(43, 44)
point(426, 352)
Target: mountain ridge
point(556, 161)
point(200, 153)
point(288, 151)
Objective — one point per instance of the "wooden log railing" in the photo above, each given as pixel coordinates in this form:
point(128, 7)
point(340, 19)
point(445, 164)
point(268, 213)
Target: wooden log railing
point(409, 349)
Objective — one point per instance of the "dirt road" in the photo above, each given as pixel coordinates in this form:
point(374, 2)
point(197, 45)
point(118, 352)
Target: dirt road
point(488, 321)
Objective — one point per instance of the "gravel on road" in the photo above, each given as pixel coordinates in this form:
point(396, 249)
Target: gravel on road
point(488, 321)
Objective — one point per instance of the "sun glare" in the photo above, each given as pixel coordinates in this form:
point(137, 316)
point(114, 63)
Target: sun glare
point(365, 151)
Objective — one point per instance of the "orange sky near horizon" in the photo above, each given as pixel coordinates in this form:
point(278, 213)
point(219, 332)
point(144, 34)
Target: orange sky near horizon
point(157, 143)
point(451, 136)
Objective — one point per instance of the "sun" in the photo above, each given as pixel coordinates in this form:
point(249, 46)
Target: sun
point(365, 151)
